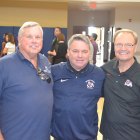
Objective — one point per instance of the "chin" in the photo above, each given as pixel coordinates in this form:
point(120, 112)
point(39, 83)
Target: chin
point(125, 59)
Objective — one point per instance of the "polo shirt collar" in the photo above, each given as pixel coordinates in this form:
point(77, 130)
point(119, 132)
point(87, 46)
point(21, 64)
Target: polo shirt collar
point(115, 66)
point(75, 71)
point(20, 55)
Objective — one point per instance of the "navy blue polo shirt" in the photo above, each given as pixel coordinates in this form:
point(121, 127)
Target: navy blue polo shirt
point(75, 102)
point(25, 100)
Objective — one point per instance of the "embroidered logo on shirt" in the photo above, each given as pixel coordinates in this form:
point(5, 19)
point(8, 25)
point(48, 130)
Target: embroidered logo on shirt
point(90, 84)
point(128, 83)
point(63, 80)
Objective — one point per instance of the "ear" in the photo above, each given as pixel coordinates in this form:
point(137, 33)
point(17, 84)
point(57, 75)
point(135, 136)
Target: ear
point(67, 52)
point(18, 38)
point(136, 48)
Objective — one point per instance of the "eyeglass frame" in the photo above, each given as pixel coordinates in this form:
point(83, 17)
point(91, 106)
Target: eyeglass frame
point(127, 45)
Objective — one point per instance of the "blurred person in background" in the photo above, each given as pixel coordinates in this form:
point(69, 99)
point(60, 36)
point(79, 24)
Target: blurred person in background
point(10, 45)
point(60, 50)
point(57, 31)
point(5, 40)
point(93, 38)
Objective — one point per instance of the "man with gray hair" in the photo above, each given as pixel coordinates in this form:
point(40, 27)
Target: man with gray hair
point(77, 89)
point(121, 112)
point(26, 97)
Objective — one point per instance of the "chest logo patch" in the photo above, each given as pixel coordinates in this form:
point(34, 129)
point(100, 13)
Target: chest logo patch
point(128, 83)
point(63, 80)
point(90, 84)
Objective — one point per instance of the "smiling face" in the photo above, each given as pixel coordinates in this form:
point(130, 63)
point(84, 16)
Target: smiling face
point(125, 47)
point(78, 54)
point(30, 41)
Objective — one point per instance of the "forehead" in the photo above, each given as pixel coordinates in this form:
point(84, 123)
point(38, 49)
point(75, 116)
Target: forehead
point(79, 44)
point(125, 36)
point(32, 30)
point(57, 30)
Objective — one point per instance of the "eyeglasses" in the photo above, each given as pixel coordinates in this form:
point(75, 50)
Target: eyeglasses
point(43, 75)
point(127, 45)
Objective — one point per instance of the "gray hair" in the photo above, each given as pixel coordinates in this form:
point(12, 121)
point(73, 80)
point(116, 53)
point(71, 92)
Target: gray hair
point(27, 25)
point(85, 39)
point(80, 37)
point(134, 34)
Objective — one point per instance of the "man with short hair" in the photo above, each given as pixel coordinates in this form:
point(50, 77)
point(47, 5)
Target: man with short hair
point(121, 112)
point(26, 97)
point(77, 89)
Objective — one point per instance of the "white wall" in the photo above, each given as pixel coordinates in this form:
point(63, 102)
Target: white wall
point(112, 18)
point(87, 18)
point(122, 16)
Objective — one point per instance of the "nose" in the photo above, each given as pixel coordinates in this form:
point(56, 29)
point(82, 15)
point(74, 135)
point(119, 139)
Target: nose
point(33, 39)
point(124, 47)
point(79, 54)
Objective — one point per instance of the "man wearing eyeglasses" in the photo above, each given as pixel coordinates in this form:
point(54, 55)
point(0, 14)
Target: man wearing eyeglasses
point(26, 97)
point(121, 112)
